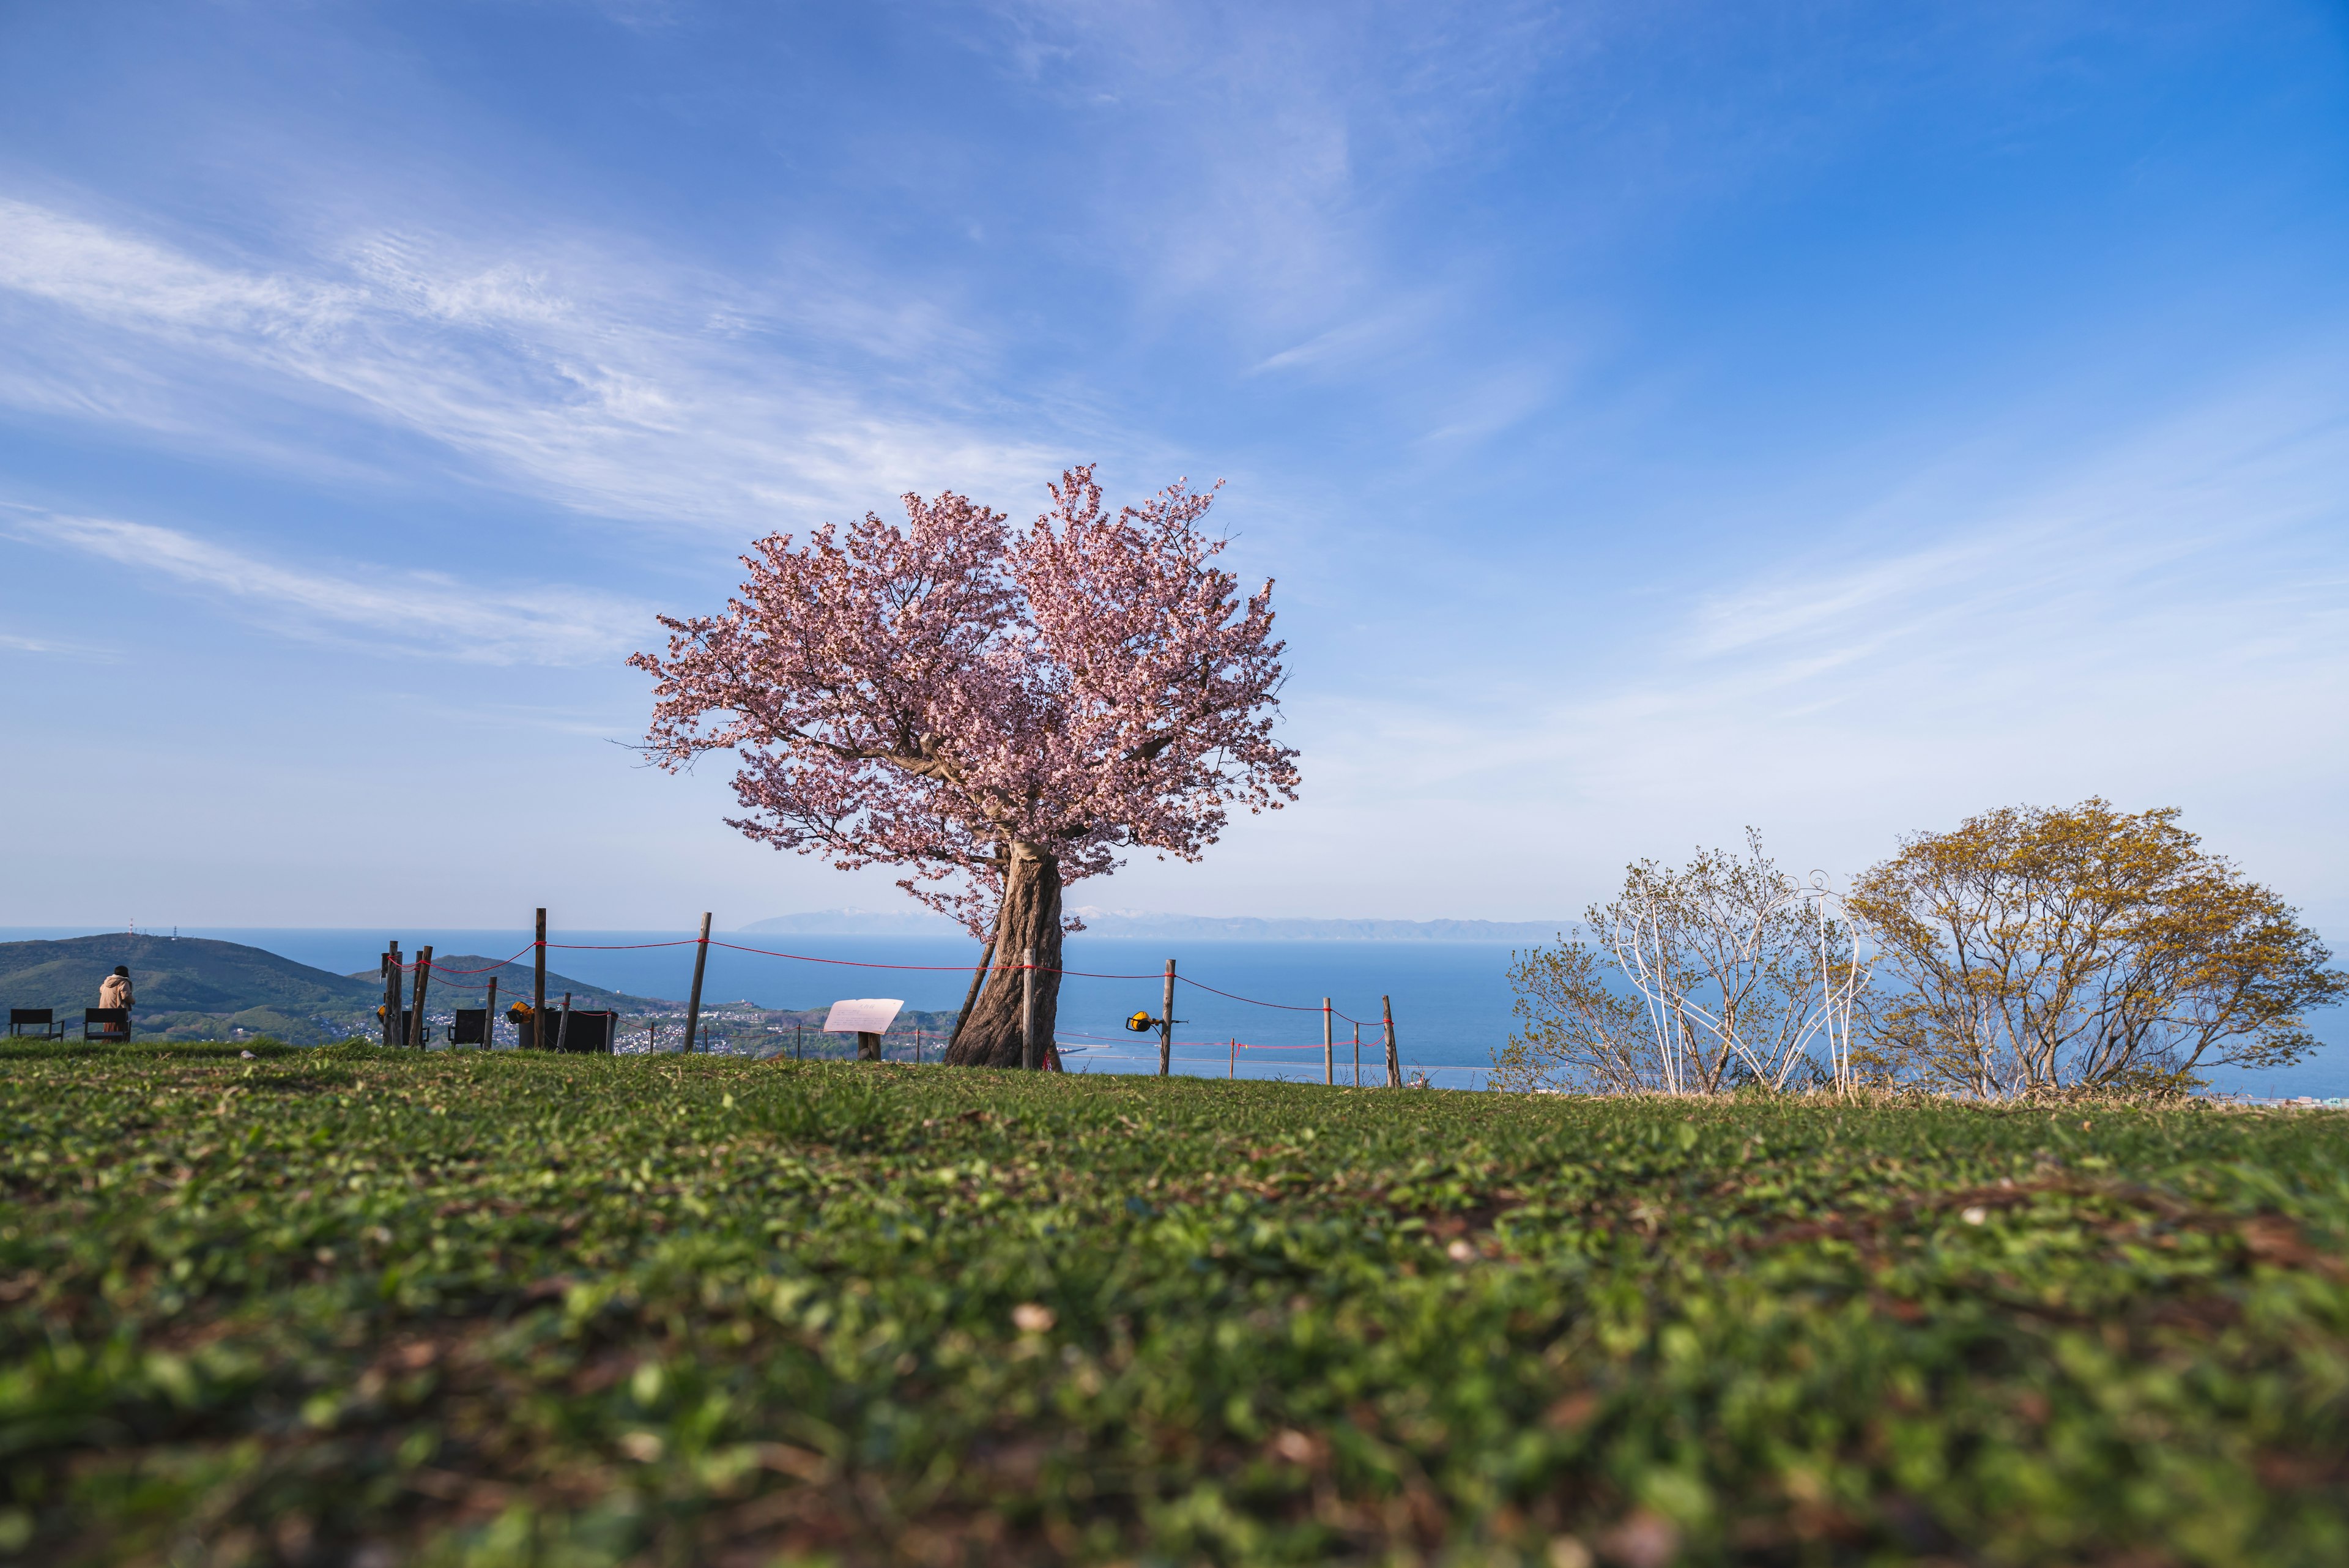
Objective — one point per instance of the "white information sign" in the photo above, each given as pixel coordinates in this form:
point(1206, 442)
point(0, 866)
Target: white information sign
point(867, 1015)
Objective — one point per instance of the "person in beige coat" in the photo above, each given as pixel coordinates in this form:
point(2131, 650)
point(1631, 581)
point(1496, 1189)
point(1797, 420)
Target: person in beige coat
point(115, 990)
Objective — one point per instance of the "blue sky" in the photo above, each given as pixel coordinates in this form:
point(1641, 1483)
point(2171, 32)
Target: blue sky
point(1661, 419)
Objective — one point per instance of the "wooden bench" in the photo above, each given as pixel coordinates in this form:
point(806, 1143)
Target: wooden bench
point(41, 1023)
point(472, 1028)
point(106, 1023)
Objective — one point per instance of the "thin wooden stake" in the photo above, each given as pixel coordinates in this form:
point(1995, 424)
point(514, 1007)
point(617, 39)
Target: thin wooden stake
point(693, 1003)
point(418, 1034)
point(1358, 1055)
point(1030, 1058)
point(391, 988)
point(1234, 1071)
point(1328, 1050)
point(538, 988)
point(563, 1035)
point(490, 1017)
point(1395, 1064)
point(1166, 1024)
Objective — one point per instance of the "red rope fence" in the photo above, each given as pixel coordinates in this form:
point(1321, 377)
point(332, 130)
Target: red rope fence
point(439, 970)
point(456, 977)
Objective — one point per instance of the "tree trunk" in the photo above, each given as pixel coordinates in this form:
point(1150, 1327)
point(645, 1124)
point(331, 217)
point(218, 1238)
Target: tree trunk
point(989, 1035)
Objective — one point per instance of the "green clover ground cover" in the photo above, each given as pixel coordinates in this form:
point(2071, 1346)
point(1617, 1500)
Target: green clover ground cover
point(345, 1306)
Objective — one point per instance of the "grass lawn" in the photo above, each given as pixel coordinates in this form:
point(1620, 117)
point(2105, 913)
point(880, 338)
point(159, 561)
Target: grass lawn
point(345, 1306)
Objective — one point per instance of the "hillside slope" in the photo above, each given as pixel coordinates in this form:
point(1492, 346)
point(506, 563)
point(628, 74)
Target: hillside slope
point(183, 974)
point(194, 988)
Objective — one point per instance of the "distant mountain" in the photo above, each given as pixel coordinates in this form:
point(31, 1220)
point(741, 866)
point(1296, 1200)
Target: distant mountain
point(1196, 927)
point(856, 923)
point(195, 988)
point(172, 974)
point(1250, 928)
point(187, 987)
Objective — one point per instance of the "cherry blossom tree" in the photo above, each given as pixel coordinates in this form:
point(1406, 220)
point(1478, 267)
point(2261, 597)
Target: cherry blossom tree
point(999, 711)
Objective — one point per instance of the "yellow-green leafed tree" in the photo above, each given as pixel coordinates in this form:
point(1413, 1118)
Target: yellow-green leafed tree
point(2036, 950)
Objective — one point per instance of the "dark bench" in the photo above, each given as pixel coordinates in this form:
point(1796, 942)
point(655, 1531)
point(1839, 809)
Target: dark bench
point(472, 1028)
point(39, 1022)
point(106, 1023)
point(589, 1031)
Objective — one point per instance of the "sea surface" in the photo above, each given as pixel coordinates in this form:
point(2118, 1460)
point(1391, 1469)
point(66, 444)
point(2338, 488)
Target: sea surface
point(1251, 1009)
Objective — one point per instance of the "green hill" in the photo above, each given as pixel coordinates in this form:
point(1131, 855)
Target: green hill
point(184, 974)
point(192, 988)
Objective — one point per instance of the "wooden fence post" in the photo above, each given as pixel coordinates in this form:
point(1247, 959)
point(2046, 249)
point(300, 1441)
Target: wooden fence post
point(693, 1003)
point(538, 988)
point(1166, 1024)
point(1030, 1058)
point(563, 1035)
point(1234, 1070)
point(1329, 1048)
point(490, 1017)
point(1395, 1064)
point(418, 1034)
point(1358, 1055)
point(391, 988)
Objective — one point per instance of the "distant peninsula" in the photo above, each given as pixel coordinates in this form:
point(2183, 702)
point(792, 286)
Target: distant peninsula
point(1196, 927)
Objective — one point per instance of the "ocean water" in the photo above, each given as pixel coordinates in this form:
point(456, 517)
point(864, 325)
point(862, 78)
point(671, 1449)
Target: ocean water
point(1249, 1009)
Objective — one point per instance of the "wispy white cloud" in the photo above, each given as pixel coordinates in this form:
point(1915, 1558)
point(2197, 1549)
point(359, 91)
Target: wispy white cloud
point(624, 389)
point(53, 648)
point(423, 613)
point(1260, 148)
point(2165, 524)
point(2164, 622)
point(1396, 324)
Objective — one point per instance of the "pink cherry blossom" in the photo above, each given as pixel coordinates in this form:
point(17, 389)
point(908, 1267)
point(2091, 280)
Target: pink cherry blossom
point(970, 702)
